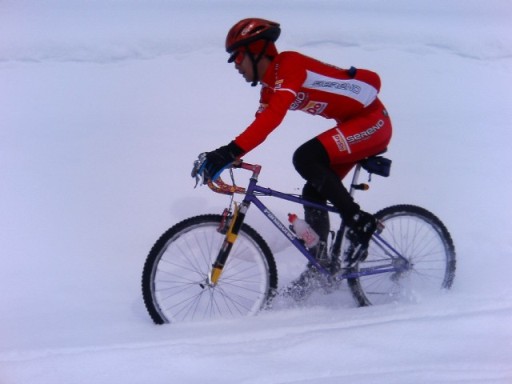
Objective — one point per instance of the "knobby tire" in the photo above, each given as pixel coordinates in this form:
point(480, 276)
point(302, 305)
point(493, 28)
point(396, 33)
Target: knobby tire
point(421, 238)
point(175, 283)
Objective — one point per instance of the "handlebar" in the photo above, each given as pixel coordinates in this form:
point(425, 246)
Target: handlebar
point(219, 186)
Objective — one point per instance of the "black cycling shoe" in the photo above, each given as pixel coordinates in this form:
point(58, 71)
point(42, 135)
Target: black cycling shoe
point(360, 230)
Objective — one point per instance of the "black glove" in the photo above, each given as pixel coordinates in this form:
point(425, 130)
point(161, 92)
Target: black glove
point(219, 159)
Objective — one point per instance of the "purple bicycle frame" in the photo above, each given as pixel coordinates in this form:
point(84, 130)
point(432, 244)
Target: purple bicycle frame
point(398, 263)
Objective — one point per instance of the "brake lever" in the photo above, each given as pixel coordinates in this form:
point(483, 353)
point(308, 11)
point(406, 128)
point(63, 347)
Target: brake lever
point(197, 169)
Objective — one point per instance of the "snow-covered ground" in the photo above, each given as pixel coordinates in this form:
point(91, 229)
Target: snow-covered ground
point(105, 104)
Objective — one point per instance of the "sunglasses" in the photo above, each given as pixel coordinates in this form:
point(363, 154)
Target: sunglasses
point(237, 57)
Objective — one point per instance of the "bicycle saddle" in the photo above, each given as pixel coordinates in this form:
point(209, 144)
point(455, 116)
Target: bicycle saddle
point(378, 165)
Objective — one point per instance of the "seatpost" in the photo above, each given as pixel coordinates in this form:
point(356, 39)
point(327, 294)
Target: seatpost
point(355, 178)
point(354, 186)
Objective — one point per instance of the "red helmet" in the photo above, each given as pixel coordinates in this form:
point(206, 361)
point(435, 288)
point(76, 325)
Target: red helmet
point(248, 31)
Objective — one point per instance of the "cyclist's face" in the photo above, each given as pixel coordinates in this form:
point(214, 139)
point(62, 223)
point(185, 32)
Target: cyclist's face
point(243, 65)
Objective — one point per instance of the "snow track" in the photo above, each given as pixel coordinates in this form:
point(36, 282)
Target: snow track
point(105, 104)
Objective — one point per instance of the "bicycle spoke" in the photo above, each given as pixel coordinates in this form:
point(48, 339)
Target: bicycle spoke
point(428, 252)
point(176, 280)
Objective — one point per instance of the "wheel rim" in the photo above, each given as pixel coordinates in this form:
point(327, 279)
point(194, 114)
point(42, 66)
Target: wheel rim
point(181, 288)
point(421, 242)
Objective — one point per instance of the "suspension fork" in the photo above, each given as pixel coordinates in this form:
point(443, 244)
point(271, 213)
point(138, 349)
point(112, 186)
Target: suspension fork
point(229, 239)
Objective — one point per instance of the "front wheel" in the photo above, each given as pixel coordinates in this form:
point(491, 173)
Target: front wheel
point(175, 279)
point(425, 244)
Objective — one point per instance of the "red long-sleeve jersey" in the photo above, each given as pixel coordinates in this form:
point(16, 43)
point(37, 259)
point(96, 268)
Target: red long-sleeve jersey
point(297, 82)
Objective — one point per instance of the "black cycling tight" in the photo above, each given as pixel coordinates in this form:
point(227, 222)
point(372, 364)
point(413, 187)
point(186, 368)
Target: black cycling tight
point(312, 162)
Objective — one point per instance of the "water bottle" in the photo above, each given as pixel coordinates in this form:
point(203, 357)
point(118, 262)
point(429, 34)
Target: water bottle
point(303, 231)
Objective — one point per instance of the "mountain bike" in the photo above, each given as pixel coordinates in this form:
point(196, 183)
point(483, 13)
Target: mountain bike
point(217, 266)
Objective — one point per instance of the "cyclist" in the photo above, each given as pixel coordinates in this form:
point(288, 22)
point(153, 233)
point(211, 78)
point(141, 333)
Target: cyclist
point(293, 81)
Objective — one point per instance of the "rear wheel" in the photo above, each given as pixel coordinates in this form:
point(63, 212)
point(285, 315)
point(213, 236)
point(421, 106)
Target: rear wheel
point(421, 238)
point(175, 282)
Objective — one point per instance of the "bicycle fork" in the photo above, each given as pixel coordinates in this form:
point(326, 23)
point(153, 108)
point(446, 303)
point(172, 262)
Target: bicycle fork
point(229, 239)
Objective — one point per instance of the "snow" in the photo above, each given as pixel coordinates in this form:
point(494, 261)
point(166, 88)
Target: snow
point(104, 105)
